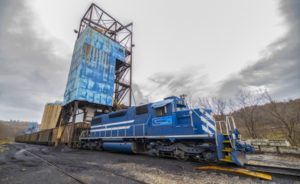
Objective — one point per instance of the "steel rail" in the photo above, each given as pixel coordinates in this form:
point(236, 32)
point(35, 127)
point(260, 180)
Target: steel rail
point(274, 170)
point(53, 165)
point(259, 171)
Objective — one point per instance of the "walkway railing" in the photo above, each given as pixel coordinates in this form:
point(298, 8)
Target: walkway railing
point(227, 127)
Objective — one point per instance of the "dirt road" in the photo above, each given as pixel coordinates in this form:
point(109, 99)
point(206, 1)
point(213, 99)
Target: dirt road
point(29, 164)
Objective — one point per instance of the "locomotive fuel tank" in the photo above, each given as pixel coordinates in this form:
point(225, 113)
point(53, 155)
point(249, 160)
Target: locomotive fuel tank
point(125, 147)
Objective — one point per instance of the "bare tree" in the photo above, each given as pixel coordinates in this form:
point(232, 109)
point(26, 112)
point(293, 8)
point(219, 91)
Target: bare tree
point(205, 102)
point(217, 104)
point(220, 105)
point(287, 117)
point(248, 104)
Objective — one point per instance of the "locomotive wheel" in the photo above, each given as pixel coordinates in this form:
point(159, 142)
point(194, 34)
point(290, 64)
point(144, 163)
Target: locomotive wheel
point(91, 146)
point(85, 146)
point(180, 155)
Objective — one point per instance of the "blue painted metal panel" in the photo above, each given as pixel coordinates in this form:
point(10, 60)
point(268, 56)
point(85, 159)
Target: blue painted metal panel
point(220, 146)
point(92, 72)
point(162, 121)
point(174, 123)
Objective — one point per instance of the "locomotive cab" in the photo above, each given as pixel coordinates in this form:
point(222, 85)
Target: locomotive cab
point(170, 117)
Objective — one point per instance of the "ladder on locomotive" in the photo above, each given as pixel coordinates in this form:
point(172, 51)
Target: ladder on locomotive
point(226, 128)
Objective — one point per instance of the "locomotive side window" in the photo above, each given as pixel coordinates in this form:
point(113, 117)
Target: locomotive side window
point(161, 111)
point(141, 110)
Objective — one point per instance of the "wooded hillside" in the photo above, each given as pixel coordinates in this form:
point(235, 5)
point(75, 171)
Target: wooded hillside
point(9, 129)
point(258, 115)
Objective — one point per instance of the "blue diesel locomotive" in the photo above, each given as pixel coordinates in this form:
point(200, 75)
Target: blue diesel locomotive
point(167, 128)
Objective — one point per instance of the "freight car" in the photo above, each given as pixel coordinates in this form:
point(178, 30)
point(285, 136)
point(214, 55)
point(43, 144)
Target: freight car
point(71, 132)
point(167, 128)
point(44, 137)
point(67, 134)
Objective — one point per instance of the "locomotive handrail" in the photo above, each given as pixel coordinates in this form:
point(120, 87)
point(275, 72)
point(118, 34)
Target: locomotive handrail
point(229, 127)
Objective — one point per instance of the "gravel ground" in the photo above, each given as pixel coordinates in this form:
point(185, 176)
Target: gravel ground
point(20, 166)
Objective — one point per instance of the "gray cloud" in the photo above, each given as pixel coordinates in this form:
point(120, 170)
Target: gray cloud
point(278, 70)
point(138, 96)
point(31, 74)
point(189, 81)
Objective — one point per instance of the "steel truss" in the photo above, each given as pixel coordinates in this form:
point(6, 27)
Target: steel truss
point(101, 21)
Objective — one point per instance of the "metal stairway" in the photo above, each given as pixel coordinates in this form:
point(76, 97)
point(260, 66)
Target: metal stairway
point(226, 129)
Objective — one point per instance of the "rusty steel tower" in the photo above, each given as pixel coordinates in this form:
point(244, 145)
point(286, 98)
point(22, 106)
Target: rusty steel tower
point(101, 21)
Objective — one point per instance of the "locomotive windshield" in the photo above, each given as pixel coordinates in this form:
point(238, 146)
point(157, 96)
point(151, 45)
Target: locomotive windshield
point(181, 105)
point(161, 111)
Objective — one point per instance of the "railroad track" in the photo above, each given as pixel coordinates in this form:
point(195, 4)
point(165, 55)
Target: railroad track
point(76, 179)
point(54, 165)
point(257, 171)
point(286, 171)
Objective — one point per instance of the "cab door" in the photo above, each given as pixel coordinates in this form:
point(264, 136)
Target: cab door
point(163, 118)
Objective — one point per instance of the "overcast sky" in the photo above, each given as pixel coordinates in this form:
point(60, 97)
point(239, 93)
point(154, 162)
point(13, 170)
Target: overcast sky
point(200, 48)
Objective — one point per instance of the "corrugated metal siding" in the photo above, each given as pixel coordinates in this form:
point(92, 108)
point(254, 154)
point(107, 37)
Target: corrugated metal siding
point(33, 138)
point(54, 135)
point(92, 72)
point(50, 116)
